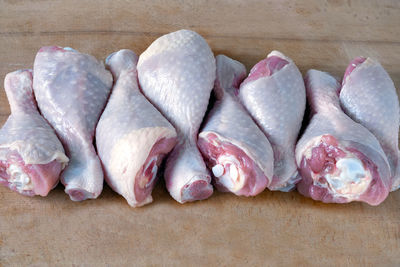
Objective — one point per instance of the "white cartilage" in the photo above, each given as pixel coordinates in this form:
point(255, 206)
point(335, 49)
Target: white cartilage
point(19, 178)
point(233, 172)
point(145, 183)
point(234, 179)
point(351, 169)
point(154, 172)
point(218, 170)
point(350, 179)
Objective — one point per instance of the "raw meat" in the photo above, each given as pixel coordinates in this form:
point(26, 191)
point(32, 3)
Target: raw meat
point(177, 73)
point(340, 160)
point(275, 97)
point(71, 90)
point(237, 151)
point(31, 156)
point(132, 137)
point(369, 97)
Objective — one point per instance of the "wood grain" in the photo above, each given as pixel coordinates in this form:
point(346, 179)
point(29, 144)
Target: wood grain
point(271, 229)
point(351, 20)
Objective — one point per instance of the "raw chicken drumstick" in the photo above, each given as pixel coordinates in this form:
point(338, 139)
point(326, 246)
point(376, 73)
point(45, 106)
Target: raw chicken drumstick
point(339, 160)
point(71, 90)
point(275, 97)
point(369, 97)
point(235, 149)
point(177, 73)
point(132, 137)
point(31, 156)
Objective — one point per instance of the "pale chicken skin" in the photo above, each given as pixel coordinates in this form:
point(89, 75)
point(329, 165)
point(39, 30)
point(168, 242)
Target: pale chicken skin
point(71, 90)
point(31, 156)
point(339, 160)
point(177, 73)
point(369, 97)
point(132, 137)
point(274, 95)
point(235, 149)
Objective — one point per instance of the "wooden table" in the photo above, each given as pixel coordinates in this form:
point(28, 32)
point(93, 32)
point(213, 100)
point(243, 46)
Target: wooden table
point(273, 228)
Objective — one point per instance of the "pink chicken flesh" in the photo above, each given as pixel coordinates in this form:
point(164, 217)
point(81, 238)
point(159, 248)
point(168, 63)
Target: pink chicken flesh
point(71, 90)
point(31, 156)
point(339, 160)
point(177, 73)
point(235, 149)
point(132, 137)
point(369, 97)
point(274, 95)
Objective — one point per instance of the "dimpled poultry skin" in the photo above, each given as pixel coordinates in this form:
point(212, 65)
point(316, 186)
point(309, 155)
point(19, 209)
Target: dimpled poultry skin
point(369, 97)
point(31, 156)
point(177, 73)
point(275, 97)
point(339, 160)
point(235, 149)
point(132, 137)
point(71, 90)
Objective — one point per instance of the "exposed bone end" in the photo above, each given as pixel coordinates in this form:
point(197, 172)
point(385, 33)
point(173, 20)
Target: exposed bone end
point(154, 172)
point(232, 178)
point(218, 170)
point(352, 179)
point(233, 172)
point(337, 170)
point(149, 173)
point(35, 179)
point(19, 179)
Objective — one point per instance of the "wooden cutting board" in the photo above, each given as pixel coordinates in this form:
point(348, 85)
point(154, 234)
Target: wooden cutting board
point(273, 228)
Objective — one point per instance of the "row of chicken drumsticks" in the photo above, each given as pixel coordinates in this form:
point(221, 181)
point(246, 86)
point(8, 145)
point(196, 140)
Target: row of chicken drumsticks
point(140, 110)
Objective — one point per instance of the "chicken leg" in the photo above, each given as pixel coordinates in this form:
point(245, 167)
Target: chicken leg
point(31, 156)
point(132, 137)
point(369, 97)
point(339, 160)
point(275, 97)
point(236, 150)
point(177, 73)
point(71, 90)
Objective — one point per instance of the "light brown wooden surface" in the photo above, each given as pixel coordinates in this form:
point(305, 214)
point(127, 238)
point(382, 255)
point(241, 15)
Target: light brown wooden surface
point(271, 229)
